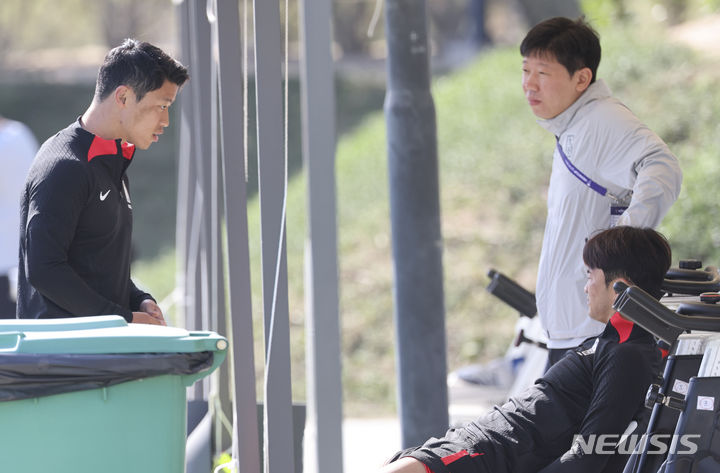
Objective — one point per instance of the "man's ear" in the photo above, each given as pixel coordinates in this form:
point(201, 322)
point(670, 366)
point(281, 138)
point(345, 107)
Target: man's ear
point(583, 77)
point(122, 95)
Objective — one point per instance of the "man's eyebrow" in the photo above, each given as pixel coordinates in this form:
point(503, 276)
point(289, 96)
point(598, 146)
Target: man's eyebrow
point(540, 63)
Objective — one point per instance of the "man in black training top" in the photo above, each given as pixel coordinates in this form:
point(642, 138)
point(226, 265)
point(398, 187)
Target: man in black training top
point(596, 389)
point(76, 212)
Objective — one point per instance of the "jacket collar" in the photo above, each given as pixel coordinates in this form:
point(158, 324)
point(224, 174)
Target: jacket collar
point(557, 125)
point(621, 330)
point(102, 147)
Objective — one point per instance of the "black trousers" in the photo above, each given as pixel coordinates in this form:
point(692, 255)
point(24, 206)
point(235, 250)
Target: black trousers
point(555, 355)
point(7, 305)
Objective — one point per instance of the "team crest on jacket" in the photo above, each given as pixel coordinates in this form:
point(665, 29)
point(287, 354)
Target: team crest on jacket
point(569, 146)
point(591, 350)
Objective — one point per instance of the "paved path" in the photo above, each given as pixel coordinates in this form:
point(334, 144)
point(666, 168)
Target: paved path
point(368, 443)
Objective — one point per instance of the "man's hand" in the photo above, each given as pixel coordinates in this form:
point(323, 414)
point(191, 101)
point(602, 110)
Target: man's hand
point(151, 307)
point(150, 313)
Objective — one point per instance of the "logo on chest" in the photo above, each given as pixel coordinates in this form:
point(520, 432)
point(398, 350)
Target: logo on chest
point(569, 146)
point(104, 195)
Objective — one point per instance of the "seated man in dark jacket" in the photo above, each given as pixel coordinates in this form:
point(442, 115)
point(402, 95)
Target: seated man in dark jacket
point(596, 390)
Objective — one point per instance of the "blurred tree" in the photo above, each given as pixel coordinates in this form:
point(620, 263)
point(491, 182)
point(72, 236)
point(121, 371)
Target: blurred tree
point(676, 11)
point(28, 26)
point(10, 11)
point(478, 15)
point(350, 20)
point(150, 20)
point(538, 10)
point(449, 21)
point(620, 10)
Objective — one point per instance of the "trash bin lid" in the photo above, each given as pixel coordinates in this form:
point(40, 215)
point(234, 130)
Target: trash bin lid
point(71, 323)
point(101, 335)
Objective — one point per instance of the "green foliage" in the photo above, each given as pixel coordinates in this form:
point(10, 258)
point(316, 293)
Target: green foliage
point(224, 459)
point(603, 13)
point(29, 25)
point(675, 92)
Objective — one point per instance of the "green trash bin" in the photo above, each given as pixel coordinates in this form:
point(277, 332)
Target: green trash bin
point(95, 394)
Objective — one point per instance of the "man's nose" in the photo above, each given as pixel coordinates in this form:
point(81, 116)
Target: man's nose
point(529, 82)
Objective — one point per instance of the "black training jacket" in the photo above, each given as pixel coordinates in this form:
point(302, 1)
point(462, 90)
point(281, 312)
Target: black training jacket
point(597, 389)
point(76, 227)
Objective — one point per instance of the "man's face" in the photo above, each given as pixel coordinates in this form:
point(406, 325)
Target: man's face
point(600, 296)
point(143, 122)
point(549, 88)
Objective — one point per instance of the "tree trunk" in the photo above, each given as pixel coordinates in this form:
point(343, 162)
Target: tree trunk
point(538, 10)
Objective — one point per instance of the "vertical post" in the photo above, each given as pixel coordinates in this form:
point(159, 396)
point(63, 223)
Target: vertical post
point(216, 301)
point(232, 120)
point(239, 295)
point(323, 433)
point(271, 185)
point(416, 235)
point(200, 238)
point(186, 172)
point(187, 236)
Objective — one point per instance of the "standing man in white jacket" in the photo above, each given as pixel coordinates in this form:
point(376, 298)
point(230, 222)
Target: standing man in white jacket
point(608, 169)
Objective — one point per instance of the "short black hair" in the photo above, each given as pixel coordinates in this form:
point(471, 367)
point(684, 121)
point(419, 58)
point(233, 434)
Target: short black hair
point(640, 255)
point(139, 65)
point(573, 43)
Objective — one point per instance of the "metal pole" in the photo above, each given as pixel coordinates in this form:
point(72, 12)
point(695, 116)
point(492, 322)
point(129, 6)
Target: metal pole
point(186, 177)
point(203, 77)
point(216, 269)
point(192, 214)
point(278, 420)
point(200, 237)
point(220, 321)
point(239, 292)
point(323, 432)
point(416, 235)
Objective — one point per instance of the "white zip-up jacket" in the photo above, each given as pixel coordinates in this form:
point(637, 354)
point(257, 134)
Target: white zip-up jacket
point(605, 141)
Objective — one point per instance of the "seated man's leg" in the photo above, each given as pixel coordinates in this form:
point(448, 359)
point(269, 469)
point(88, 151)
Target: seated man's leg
point(555, 355)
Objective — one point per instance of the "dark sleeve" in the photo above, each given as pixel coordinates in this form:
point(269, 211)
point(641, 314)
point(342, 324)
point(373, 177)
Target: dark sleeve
point(459, 451)
point(620, 380)
point(56, 201)
point(137, 295)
